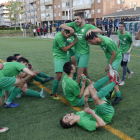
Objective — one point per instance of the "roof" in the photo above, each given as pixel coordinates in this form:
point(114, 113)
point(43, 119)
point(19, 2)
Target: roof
point(129, 12)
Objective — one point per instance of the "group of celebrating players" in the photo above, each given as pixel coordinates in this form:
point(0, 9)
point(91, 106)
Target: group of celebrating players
point(71, 53)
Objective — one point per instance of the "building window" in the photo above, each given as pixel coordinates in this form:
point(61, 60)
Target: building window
point(135, 4)
point(98, 1)
point(59, 14)
point(118, 1)
point(63, 4)
point(123, 2)
point(38, 9)
point(131, 4)
point(54, 6)
point(92, 11)
point(59, 6)
point(38, 2)
point(55, 15)
point(98, 10)
point(67, 4)
point(92, 2)
point(49, 7)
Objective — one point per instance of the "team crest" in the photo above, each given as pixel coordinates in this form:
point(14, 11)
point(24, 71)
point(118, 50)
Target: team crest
point(124, 39)
point(82, 30)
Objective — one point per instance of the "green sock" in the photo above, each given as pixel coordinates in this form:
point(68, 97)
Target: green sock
point(105, 90)
point(101, 82)
point(32, 93)
point(75, 74)
point(14, 93)
point(37, 78)
point(118, 94)
point(43, 75)
point(55, 86)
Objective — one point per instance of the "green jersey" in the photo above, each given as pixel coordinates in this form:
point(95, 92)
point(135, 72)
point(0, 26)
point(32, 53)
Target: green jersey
point(108, 45)
point(125, 41)
point(104, 111)
point(11, 69)
point(81, 46)
point(59, 42)
point(71, 51)
point(71, 90)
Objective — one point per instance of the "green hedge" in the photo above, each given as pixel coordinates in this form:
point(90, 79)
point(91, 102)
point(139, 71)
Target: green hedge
point(11, 28)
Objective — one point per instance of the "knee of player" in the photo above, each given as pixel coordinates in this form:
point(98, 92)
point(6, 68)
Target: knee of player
point(37, 72)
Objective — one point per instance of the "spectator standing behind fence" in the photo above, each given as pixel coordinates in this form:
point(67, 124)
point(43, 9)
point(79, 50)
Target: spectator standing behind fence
point(105, 23)
point(34, 31)
point(38, 31)
point(41, 30)
point(115, 24)
point(44, 30)
point(50, 29)
point(100, 24)
point(110, 26)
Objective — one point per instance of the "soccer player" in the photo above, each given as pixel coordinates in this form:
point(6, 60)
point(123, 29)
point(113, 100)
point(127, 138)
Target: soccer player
point(60, 49)
point(112, 53)
point(125, 44)
point(101, 115)
point(138, 35)
point(38, 73)
point(7, 81)
point(71, 89)
point(82, 49)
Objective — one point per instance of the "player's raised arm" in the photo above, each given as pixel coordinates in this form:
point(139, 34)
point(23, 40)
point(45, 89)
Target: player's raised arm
point(97, 30)
point(64, 26)
point(138, 35)
point(26, 70)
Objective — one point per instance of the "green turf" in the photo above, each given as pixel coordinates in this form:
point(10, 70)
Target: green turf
point(38, 119)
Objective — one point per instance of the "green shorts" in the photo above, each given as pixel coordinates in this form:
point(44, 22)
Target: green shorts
point(82, 60)
point(58, 65)
point(6, 83)
point(115, 64)
point(105, 111)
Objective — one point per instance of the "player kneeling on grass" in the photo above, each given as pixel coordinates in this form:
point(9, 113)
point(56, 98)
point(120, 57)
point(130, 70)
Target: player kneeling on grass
point(71, 89)
point(38, 73)
point(60, 56)
point(24, 89)
point(91, 119)
point(7, 79)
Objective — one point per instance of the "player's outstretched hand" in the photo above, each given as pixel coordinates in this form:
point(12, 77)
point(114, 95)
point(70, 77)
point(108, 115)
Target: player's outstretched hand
point(88, 110)
point(107, 68)
point(88, 33)
point(128, 52)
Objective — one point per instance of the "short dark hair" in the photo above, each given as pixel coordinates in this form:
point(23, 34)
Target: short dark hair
point(67, 31)
point(121, 22)
point(91, 36)
point(15, 55)
point(11, 58)
point(65, 125)
point(80, 14)
point(67, 67)
point(24, 60)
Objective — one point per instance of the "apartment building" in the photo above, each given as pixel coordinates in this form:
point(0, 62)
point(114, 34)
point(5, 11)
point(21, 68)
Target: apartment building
point(4, 15)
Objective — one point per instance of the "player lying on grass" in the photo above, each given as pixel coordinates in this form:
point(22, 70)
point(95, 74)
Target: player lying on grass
point(2, 129)
point(60, 49)
point(24, 89)
point(82, 49)
point(112, 53)
point(38, 73)
point(91, 119)
point(138, 35)
point(7, 79)
point(71, 89)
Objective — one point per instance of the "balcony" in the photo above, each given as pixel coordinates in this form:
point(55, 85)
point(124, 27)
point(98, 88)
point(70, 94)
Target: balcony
point(81, 7)
point(49, 18)
point(65, 8)
point(42, 4)
point(43, 11)
point(49, 10)
point(48, 2)
point(65, 17)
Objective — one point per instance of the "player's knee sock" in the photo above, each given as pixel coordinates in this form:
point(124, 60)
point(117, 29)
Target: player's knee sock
point(105, 90)
point(128, 70)
point(75, 74)
point(124, 72)
point(101, 82)
point(32, 93)
point(14, 93)
point(43, 75)
point(118, 94)
point(37, 78)
point(55, 86)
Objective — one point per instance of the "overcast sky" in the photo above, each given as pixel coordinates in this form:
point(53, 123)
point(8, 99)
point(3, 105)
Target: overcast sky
point(3, 1)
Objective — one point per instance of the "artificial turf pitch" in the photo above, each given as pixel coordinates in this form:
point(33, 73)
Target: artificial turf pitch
point(38, 119)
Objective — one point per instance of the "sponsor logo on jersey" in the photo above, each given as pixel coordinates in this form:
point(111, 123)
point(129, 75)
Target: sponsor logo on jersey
point(83, 30)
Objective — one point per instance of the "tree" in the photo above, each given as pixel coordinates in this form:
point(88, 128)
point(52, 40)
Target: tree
point(15, 11)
